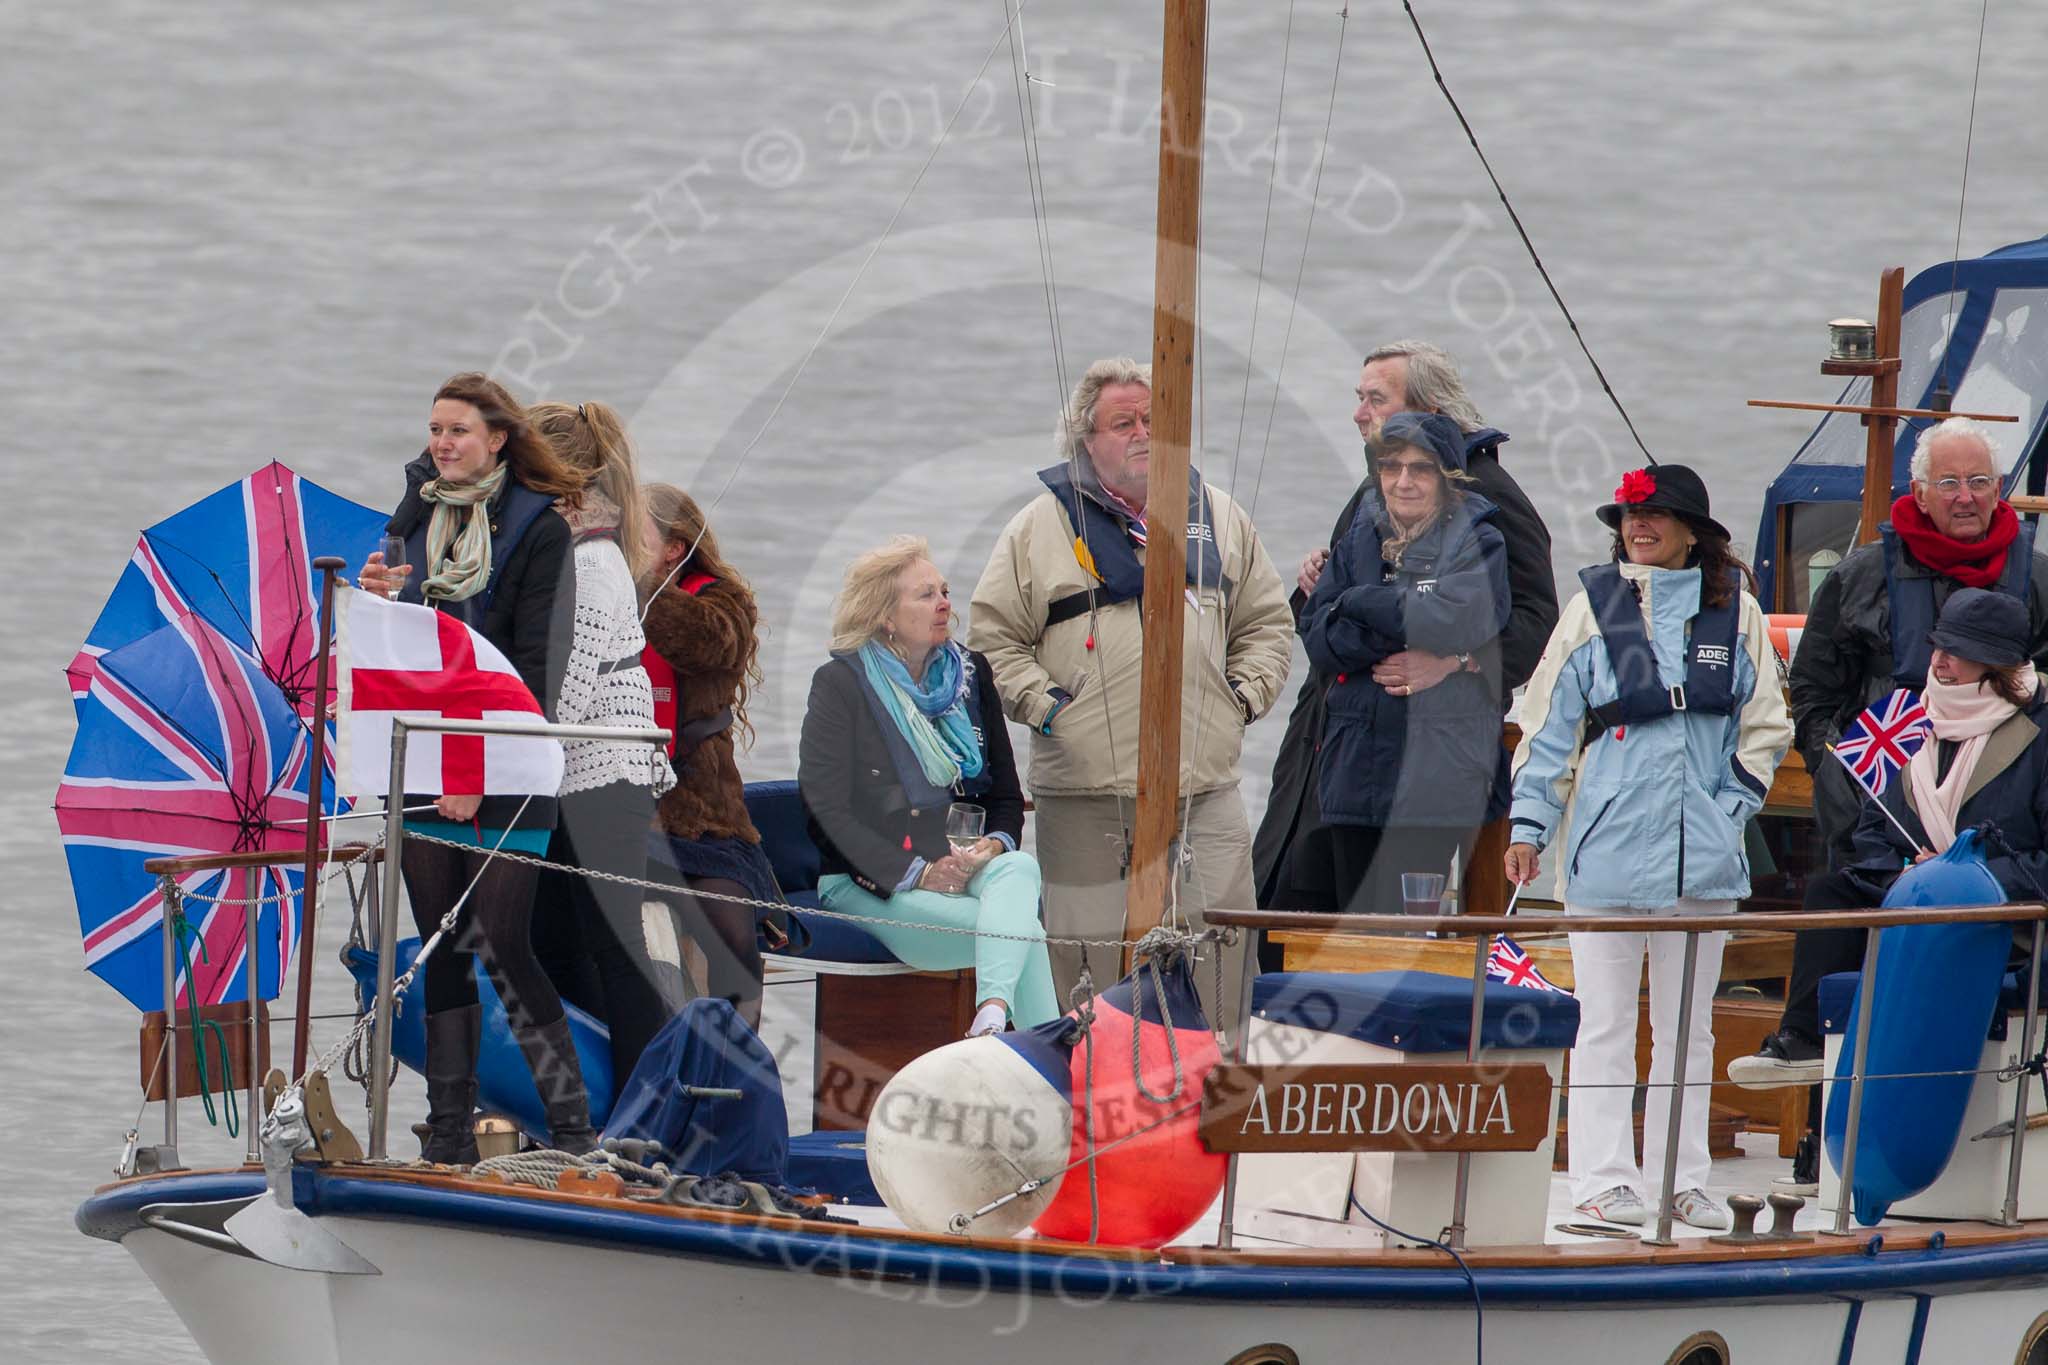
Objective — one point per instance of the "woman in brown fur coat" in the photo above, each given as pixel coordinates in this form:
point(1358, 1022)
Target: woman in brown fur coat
point(701, 626)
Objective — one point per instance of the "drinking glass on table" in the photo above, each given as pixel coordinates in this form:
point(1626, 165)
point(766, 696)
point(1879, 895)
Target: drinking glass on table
point(1422, 893)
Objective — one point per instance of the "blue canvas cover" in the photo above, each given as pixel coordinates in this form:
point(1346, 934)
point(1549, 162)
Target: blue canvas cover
point(1980, 325)
point(1416, 1011)
point(707, 1046)
point(1936, 987)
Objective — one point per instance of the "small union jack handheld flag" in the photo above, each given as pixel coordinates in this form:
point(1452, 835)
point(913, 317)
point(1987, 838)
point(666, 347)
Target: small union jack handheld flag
point(1508, 962)
point(1880, 741)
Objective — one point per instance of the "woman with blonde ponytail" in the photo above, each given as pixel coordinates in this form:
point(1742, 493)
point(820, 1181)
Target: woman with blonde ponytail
point(591, 933)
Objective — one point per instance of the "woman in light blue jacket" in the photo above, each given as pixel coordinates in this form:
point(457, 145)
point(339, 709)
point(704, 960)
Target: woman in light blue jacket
point(1650, 733)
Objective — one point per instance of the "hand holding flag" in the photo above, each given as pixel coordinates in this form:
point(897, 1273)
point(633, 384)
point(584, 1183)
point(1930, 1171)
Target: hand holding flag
point(1880, 742)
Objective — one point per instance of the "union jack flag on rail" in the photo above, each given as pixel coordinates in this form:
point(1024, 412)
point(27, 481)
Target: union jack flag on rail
point(1880, 741)
point(1509, 962)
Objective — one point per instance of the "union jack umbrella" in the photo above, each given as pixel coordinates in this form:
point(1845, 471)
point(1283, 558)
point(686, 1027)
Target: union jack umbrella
point(1509, 962)
point(241, 558)
point(184, 748)
point(1883, 739)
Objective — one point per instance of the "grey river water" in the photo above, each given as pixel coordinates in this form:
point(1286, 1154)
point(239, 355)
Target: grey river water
point(233, 232)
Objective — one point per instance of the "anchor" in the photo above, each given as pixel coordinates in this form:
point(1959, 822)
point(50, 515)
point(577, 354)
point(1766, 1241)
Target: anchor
point(274, 1229)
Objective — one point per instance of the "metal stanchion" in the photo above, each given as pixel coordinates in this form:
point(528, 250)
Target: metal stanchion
point(1226, 1230)
point(1866, 996)
point(1481, 944)
point(1677, 1114)
point(174, 900)
point(2020, 1083)
point(252, 1122)
point(387, 948)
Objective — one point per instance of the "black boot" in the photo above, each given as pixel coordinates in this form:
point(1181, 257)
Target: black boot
point(558, 1076)
point(449, 1134)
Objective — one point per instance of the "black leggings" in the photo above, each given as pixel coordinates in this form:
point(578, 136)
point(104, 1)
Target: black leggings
point(591, 934)
point(493, 921)
point(725, 931)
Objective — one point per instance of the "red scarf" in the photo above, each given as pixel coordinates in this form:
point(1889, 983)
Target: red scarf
point(1975, 564)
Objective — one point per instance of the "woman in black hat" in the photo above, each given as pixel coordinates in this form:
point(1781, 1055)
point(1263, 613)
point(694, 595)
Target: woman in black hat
point(1650, 732)
point(1987, 764)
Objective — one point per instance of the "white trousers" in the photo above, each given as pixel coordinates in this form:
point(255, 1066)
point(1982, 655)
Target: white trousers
point(1609, 968)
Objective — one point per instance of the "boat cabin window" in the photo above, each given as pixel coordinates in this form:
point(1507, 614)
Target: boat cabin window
point(1701, 1348)
point(1816, 535)
point(2034, 1343)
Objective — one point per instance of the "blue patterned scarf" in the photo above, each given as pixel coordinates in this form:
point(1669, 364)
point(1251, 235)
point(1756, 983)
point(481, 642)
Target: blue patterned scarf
point(932, 715)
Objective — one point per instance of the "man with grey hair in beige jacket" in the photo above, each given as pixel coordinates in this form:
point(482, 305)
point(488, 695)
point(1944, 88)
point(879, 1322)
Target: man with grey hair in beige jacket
point(1056, 612)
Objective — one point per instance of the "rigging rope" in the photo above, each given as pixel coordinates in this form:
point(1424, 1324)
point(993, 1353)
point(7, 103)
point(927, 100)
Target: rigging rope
point(1523, 232)
point(1963, 193)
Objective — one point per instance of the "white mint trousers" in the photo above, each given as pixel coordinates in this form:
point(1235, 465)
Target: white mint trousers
point(1609, 968)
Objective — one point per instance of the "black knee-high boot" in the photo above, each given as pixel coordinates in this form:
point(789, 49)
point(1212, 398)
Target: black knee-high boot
point(449, 1134)
point(558, 1076)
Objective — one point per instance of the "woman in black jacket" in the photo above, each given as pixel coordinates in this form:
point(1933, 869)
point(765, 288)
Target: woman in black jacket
point(1410, 764)
point(479, 518)
point(902, 724)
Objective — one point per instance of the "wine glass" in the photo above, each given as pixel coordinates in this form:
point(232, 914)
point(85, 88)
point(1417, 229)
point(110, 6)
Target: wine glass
point(964, 825)
point(394, 554)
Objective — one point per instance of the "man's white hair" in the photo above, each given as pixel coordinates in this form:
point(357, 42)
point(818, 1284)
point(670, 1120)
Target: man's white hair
point(1077, 423)
point(1953, 427)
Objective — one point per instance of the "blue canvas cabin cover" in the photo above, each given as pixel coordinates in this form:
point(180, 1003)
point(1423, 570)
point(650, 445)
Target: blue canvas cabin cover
point(1988, 318)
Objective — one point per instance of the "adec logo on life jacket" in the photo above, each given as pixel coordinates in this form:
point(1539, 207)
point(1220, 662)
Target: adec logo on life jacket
point(1713, 656)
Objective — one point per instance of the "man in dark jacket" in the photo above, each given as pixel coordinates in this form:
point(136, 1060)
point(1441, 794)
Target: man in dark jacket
point(1410, 376)
point(1951, 530)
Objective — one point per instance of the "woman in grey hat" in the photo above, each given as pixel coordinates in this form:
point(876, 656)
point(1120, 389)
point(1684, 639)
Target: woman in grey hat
point(1987, 764)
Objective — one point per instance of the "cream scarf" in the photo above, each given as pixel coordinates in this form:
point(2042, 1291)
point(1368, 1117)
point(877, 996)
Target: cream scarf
point(459, 555)
point(1966, 712)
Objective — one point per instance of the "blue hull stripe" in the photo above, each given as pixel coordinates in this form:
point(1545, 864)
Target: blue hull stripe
point(112, 1213)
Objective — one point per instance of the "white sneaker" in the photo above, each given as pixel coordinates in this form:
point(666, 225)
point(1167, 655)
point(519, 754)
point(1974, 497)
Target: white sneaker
point(992, 1018)
point(1694, 1209)
point(1618, 1205)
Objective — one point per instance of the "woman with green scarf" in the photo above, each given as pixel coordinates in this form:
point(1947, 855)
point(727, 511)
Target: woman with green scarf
point(903, 723)
point(484, 543)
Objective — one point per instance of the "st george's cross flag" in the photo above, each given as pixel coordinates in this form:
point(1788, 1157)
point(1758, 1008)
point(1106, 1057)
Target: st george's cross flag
point(396, 659)
point(1883, 739)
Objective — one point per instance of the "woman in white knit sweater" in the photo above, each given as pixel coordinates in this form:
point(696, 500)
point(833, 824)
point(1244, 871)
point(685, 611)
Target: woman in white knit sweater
point(590, 934)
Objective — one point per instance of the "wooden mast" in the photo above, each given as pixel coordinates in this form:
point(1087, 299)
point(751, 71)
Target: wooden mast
point(1183, 95)
point(1884, 393)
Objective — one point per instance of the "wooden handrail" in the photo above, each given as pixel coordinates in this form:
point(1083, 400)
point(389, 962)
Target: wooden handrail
point(217, 862)
point(1782, 921)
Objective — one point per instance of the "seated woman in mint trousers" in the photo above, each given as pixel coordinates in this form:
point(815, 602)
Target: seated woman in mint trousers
point(902, 724)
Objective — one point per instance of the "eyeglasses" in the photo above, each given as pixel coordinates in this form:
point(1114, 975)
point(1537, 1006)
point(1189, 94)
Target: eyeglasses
point(1976, 483)
point(1393, 470)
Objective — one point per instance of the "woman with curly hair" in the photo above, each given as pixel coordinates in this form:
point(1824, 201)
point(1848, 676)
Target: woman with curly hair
point(703, 637)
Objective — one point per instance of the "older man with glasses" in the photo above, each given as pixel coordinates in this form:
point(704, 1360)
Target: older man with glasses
point(1867, 634)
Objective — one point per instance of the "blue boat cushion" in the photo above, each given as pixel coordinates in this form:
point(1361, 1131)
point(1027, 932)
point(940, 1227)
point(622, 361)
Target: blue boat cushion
point(1839, 990)
point(834, 1163)
point(777, 810)
point(1416, 1011)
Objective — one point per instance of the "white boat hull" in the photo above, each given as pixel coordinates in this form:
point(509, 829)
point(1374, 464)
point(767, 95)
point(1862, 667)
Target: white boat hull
point(453, 1290)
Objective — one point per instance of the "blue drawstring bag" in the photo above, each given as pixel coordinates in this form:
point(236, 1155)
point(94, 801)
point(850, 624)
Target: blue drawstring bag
point(670, 1097)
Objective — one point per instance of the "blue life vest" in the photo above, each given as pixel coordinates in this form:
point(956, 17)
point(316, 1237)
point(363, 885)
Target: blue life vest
point(1913, 608)
point(511, 518)
point(1709, 684)
point(1114, 558)
point(909, 772)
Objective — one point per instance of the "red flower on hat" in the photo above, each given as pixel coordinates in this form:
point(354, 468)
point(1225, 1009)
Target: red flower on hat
point(1636, 486)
